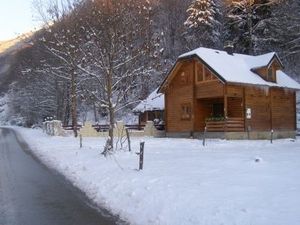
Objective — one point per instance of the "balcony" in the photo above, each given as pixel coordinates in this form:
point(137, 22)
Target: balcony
point(226, 125)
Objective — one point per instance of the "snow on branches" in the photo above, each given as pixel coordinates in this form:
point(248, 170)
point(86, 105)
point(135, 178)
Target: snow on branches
point(202, 12)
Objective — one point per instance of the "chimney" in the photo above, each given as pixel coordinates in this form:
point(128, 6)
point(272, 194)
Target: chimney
point(229, 47)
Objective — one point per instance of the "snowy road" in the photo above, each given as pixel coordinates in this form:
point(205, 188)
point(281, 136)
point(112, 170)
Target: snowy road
point(31, 195)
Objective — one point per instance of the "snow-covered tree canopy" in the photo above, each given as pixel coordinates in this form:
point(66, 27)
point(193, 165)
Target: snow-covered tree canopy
point(202, 12)
point(203, 24)
point(249, 23)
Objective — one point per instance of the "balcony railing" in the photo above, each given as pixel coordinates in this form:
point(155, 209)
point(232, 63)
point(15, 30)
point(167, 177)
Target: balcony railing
point(230, 125)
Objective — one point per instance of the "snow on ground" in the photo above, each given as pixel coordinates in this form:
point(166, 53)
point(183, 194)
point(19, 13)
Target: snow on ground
point(183, 182)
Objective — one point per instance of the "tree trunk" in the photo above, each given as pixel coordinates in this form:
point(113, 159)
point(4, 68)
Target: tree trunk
point(95, 112)
point(111, 112)
point(111, 128)
point(74, 102)
point(250, 27)
point(66, 105)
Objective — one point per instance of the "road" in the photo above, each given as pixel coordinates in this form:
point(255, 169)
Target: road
point(30, 194)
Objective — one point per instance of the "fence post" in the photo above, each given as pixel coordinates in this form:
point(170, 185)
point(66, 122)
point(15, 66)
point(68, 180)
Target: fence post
point(204, 136)
point(248, 132)
point(128, 139)
point(272, 132)
point(80, 140)
point(141, 164)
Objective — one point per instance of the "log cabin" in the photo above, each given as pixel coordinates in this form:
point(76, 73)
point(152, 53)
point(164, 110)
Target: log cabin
point(151, 108)
point(232, 96)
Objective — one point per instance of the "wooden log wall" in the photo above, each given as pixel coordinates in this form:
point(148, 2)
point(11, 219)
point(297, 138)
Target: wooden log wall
point(258, 101)
point(209, 89)
point(271, 108)
point(235, 101)
point(179, 92)
point(235, 107)
point(283, 109)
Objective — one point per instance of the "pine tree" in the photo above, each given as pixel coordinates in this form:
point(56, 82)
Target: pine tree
point(288, 35)
point(201, 12)
point(203, 22)
point(249, 24)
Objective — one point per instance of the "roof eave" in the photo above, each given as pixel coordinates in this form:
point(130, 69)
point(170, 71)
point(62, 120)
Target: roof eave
point(161, 87)
point(261, 85)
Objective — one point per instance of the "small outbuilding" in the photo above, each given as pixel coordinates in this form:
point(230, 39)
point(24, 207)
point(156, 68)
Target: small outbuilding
point(151, 109)
point(231, 95)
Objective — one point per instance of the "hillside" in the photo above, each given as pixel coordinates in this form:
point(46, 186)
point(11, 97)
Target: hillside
point(13, 45)
point(8, 57)
point(4, 45)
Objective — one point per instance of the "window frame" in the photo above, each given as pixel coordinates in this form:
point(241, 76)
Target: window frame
point(202, 71)
point(186, 111)
point(270, 73)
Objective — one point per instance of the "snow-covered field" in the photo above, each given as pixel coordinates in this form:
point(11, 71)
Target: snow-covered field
point(183, 182)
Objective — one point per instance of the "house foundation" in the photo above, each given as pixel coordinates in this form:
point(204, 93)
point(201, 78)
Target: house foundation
point(253, 135)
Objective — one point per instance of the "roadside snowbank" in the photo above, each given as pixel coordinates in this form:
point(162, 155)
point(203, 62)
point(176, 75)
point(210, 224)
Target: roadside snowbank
point(182, 182)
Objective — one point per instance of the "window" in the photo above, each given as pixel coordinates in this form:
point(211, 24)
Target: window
point(183, 78)
point(186, 111)
point(207, 74)
point(270, 74)
point(204, 74)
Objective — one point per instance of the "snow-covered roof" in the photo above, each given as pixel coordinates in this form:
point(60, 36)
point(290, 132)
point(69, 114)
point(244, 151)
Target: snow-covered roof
point(155, 101)
point(238, 68)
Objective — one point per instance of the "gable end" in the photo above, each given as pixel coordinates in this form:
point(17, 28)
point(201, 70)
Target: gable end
point(268, 72)
point(177, 66)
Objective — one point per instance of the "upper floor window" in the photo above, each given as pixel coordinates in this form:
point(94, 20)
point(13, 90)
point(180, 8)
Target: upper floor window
point(270, 74)
point(204, 74)
point(183, 77)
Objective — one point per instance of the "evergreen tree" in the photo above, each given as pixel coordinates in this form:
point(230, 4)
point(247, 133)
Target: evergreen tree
point(249, 24)
point(203, 23)
point(287, 34)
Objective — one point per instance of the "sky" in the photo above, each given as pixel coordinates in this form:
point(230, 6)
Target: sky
point(16, 17)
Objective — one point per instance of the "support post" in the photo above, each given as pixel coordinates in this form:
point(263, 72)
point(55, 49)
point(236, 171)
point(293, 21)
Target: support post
point(272, 133)
point(80, 140)
point(225, 102)
point(128, 139)
point(248, 132)
point(204, 136)
point(141, 164)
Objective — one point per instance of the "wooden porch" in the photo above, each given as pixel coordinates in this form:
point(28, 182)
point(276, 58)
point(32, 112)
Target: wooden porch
point(233, 124)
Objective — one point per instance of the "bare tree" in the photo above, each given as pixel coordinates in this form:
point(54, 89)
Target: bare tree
point(113, 53)
point(62, 39)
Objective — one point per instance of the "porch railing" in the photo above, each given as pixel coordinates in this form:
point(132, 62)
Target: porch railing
point(233, 124)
